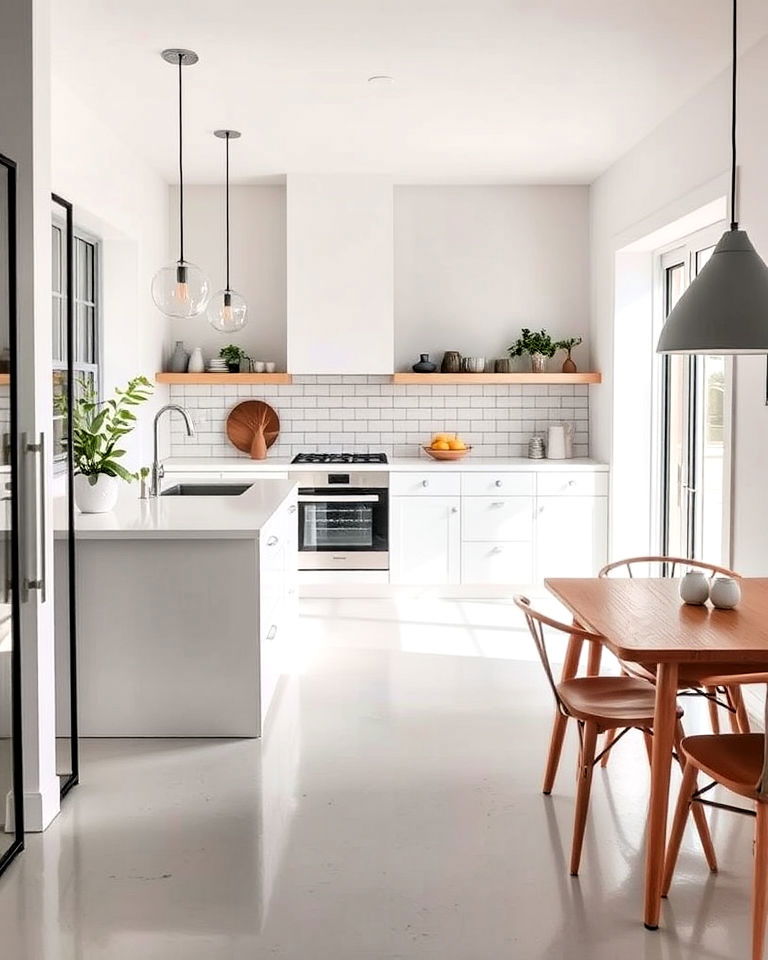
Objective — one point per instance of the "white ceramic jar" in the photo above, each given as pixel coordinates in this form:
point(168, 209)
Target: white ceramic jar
point(725, 593)
point(694, 587)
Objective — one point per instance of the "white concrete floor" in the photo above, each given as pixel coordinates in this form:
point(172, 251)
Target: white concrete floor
point(393, 811)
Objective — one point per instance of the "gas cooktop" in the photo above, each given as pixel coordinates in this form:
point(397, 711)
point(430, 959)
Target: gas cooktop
point(340, 458)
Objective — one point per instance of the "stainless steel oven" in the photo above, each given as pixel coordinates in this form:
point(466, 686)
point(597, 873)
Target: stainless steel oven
point(344, 520)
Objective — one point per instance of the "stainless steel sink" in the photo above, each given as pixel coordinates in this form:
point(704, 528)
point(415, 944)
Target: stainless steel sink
point(206, 490)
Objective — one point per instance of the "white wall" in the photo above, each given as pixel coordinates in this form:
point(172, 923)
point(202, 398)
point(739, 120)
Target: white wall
point(676, 170)
point(475, 264)
point(122, 201)
point(257, 264)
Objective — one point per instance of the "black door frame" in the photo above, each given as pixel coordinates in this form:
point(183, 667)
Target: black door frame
point(72, 778)
point(15, 566)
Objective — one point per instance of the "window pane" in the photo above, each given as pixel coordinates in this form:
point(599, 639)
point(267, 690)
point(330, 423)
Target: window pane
point(713, 460)
point(59, 414)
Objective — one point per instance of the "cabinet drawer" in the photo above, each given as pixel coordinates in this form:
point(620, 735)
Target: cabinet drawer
point(427, 484)
point(493, 562)
point(497, 518)
point(572, 484)
point(501, 483)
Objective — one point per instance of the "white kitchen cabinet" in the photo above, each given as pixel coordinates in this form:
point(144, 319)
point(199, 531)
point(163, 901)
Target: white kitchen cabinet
point(497, 518)
point(425, 540)
point(492, 562)
point(571, 536)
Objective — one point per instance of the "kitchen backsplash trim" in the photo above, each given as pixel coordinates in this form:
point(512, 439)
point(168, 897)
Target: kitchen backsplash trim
point(368, 413)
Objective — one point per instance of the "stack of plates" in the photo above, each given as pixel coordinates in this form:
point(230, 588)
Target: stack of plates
point(216, 365)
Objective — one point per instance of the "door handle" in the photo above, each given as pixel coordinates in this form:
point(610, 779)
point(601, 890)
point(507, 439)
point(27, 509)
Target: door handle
point(37, 581)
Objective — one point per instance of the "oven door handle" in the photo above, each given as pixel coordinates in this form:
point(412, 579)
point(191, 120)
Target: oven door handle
point(341, 498)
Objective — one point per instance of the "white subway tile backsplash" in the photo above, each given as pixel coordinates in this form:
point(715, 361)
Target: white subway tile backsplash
point(369, 413)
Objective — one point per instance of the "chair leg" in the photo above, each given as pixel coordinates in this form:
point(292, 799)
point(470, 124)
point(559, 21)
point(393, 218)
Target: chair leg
point(586, 767)
point(714, 716)
point(760, 882)
point(555, 749)
point(741, 710)
point(610, 738)
point(732, 713)
point(699, 816)
point(648, 744)
point(678, 825)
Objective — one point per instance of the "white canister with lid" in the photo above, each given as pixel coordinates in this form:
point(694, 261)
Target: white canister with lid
point(556, 449)
point(694, 587)
point(725, 593)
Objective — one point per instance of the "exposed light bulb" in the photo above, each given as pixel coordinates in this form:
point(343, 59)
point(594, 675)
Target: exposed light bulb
point(182, 287)
point(227, 311)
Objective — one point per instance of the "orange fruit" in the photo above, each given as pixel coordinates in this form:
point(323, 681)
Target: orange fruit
point(456, 444)
point(441, 445)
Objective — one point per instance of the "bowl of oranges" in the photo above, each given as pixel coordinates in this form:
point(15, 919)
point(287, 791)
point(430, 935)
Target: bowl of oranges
point(447, 446)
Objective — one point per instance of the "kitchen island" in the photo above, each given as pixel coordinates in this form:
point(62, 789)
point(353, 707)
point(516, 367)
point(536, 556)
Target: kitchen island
point(186, 607)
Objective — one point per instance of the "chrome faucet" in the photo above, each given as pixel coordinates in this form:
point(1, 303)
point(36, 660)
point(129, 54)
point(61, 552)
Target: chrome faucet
point(157, 468)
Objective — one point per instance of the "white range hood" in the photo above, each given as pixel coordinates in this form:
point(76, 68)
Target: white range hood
point(340, 274)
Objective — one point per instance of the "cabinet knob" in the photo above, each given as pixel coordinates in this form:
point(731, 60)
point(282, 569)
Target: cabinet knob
point(292, 508)
point(454, 509)
point(497, 503)
point(425, 483)
point(496, 550)
point(499, 483)
point(571, 483)
point(271, 541)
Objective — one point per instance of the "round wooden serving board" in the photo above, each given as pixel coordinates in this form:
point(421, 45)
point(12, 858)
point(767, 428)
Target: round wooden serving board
point(244, 419)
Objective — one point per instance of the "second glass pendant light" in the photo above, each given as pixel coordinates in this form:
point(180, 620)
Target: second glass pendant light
point(227, 310)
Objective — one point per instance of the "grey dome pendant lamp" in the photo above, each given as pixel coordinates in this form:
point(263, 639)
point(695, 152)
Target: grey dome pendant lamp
point(725, 309)
point(228, 310)
point(180, 290)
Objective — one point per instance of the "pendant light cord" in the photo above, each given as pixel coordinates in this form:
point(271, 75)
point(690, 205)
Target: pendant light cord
point(227, 207)
point(181, 166)
point(734, 219)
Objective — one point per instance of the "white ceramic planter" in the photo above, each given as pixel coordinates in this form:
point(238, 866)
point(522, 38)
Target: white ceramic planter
point(99, 497)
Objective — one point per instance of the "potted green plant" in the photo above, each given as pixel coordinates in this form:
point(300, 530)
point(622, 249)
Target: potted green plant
point(232, 355)
point(97, 428)
point(568, 344)
point(538, 344)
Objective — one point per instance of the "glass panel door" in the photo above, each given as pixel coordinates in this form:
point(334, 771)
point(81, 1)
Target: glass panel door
point(11, 792)
point(694, 434)
point(66, 337)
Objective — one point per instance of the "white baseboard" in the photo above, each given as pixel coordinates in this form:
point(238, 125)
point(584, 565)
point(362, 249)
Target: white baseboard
point(40, 810)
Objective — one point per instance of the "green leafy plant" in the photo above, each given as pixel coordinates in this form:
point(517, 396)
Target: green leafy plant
point(232, 354)
point(568, 344)
point(533, 342)
point(98, 427)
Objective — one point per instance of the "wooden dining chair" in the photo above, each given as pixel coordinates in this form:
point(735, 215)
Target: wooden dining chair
point(707, 680)
point(598, 704)
point(739, 762)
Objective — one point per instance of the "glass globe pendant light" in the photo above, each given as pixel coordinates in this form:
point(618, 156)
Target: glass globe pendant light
point(725, 309)
point(227, 310)
point(180, 289)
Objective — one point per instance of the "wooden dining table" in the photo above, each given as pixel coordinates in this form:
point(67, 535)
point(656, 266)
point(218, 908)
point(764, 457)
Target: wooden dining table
point(644, 621)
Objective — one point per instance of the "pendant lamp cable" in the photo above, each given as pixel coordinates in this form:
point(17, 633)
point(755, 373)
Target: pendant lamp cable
point(227, 207)
point(181, 166)
point(734, 219)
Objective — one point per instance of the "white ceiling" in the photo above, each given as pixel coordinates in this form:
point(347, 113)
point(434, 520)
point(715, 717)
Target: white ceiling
point(488, 91)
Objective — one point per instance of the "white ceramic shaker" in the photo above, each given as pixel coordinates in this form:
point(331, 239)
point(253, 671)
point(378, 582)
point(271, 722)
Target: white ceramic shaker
point(694, 587)
point(725, 593)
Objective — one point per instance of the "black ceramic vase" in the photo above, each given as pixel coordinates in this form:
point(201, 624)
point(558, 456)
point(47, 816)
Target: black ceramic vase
point(424, 365)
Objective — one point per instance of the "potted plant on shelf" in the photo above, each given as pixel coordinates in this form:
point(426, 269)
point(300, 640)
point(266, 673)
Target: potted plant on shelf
point(232, 355)
point(97, 428)
point(538, 344)
point(568, 344)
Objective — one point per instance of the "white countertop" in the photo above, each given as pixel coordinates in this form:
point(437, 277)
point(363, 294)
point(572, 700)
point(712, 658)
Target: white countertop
point(177, 518)
point(396, 464)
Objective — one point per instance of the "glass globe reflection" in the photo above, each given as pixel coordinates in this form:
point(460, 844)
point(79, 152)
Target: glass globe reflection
point(227, 311)
point(180, 290)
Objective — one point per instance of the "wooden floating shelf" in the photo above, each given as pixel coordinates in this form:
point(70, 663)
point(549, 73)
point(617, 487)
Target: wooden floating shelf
point(218, 378)
point(442, 378)
point(5, 379)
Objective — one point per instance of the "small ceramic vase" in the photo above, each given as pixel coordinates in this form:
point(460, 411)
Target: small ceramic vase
point(538, 363)
point(96, 494)
point(725, 593)
point(569, 366)
point(196, 363)
point(424, 365)
point(473, 364)
point(451, 362)
point(694, 588)
point(179, 358)
point(503, 365)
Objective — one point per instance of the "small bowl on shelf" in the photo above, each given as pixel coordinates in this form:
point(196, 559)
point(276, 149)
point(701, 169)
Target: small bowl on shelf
point(446, 454)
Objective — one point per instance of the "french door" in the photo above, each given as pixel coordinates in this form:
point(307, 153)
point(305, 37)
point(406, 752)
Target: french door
point(11, 792)
point(694, 429)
